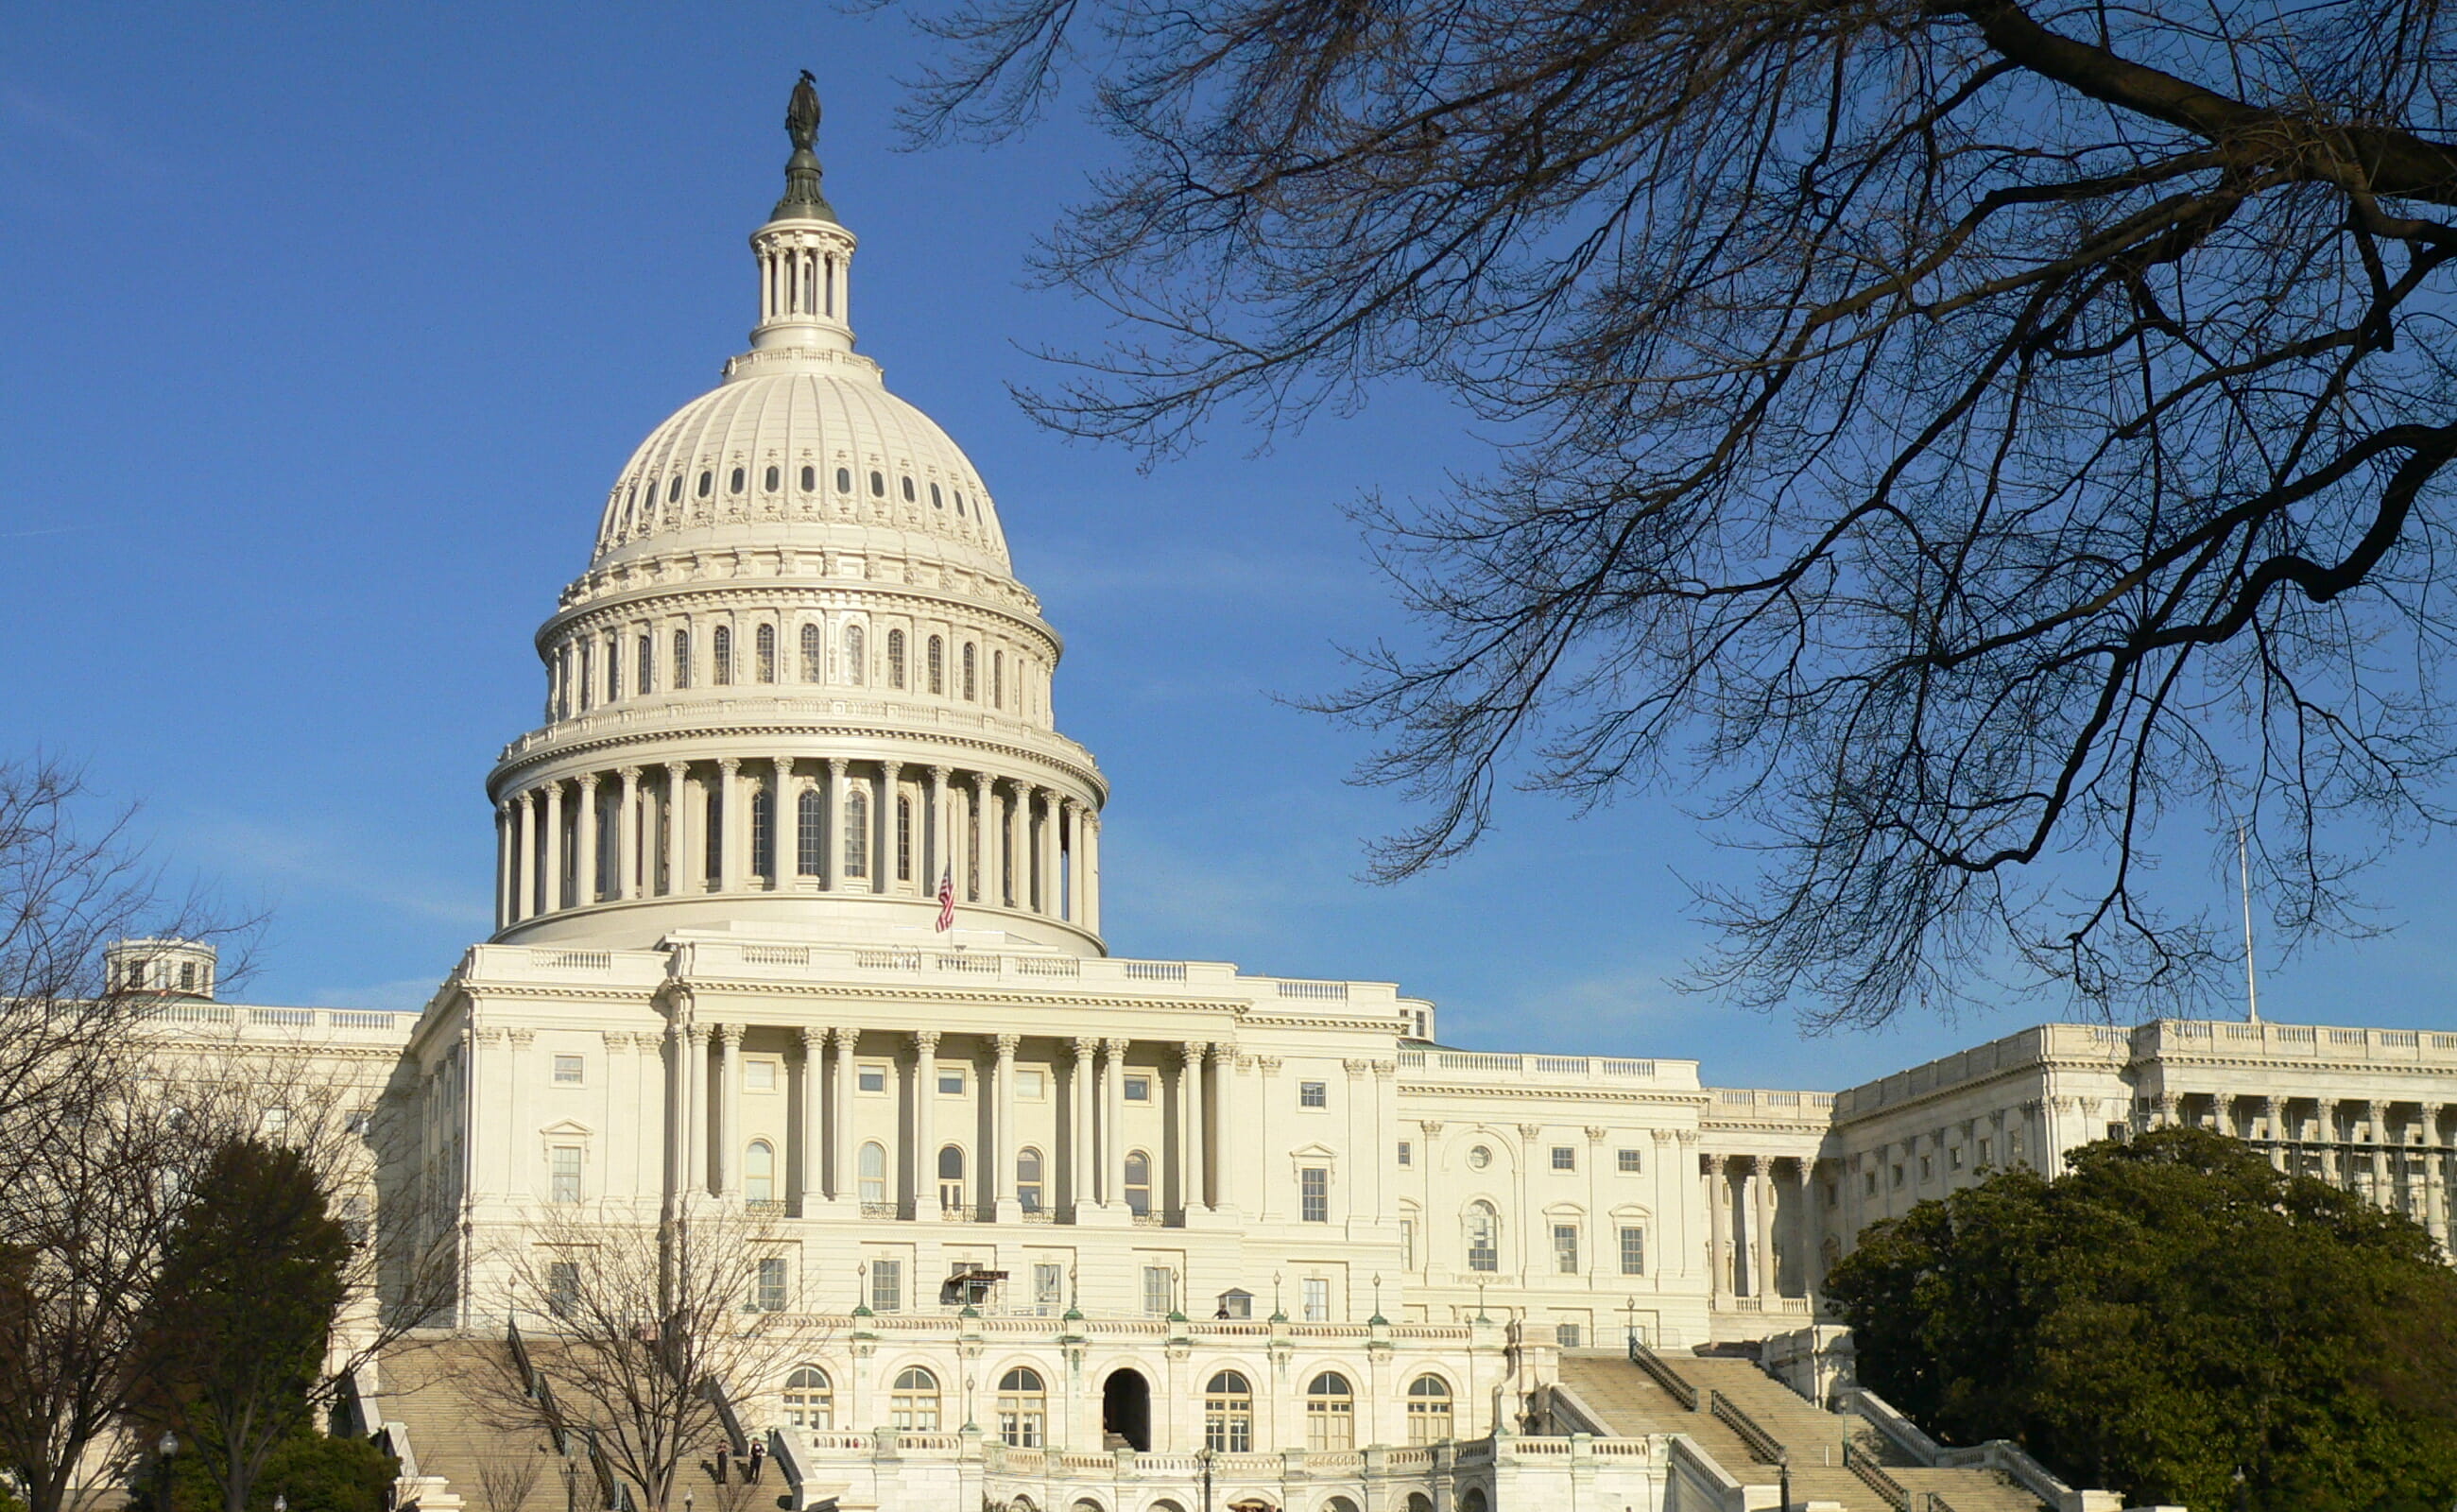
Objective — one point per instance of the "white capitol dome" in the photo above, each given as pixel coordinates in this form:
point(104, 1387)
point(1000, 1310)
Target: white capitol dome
point(798, 686)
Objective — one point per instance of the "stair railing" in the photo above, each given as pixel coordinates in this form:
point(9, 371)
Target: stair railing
point(1873, 1476)
point(1762, 1443)
point(1665, 1377)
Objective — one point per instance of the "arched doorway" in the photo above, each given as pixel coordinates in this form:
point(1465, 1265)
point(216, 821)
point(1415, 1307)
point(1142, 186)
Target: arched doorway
point(1126, 1411)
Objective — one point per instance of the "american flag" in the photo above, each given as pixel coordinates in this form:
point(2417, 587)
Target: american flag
point(946, 900)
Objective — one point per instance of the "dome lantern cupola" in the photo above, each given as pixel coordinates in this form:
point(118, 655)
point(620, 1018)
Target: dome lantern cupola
point(805, 255)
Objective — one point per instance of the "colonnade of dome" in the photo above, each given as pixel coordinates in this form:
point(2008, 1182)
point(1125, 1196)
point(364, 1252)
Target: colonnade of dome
point(799, 684)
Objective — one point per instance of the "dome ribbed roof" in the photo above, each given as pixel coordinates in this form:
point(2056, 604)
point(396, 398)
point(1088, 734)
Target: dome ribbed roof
point(803, 452)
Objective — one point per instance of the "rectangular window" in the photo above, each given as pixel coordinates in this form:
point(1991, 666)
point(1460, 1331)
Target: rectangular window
point(1565, 1248)
point(562, 1287)
point(1048, 1287)
point(951, 1080)
point(1313, 1194)
point(1868, 1184)
point(1565, 1157)
point(1928, 1168)
point(1318, 1299)
point(566, 1070)
point(1567, 1334)
point(1898, 1178)
point(1029, 1085)
point(1987, 1149)
point(566, 1173)
point(1630, 1162)
point(903, 839)
point(1160, 1290)
point(758, 1076)
point(1313, 1094)
point(887, 1285)
point(1953, 1158)
point(1633, 1252)
point(1138, 1089)
point(1407, 1244)
point(871, 1078)
point(1407, 1156)
point(767, 1287)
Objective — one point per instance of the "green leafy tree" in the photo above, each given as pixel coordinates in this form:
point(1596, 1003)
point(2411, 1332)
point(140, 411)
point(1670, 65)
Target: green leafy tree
point(235, 1340)
point(2169, 1312)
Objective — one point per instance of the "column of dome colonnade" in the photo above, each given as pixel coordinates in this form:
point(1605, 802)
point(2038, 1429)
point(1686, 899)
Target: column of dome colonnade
point(744, 826)
point(996, 1179)
point(799, 673)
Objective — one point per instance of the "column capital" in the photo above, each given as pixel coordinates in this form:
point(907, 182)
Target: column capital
point(1531, 1132)
point(844, 1039)
point(1117, 1048)
point(1224, 1052)
point(1596, 1134)
point(506, 807)
point(630, 774)
point(1006, 1042)
point(814, 1041)
point(939, 774)
point(837, 766)
point(1662, 1136)
point(675, 769)
point(527, 799)
point(729, 765)
point(698, 1033)
point(1084, 1045)
point(1193, 1052)
point(1760, 1165)
point(729, 1035)
point(926, 1041)
point(521, 1038)
point(588, 782)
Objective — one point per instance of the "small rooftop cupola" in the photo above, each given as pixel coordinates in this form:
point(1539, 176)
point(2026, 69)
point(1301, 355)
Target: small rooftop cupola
point(804, 254)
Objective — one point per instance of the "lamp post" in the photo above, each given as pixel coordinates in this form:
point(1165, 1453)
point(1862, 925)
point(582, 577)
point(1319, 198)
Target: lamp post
point(162, 1453)
point(1203, 1457)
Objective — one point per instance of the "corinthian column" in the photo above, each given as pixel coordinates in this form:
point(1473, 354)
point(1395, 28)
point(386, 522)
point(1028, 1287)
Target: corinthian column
point(554, 899)
point(1089, 836)
point(626, 837)
point(1719, 1219)
point(980, 882)
point(785, 811)
point(584, 881)
point(832, 844)
point(1079, 1109)
point(998, 1160)
point(1191, 1196)
point(935, 850)
point(728, 1164)
point(840, 1116)
point(814, 1054)
point(882, 867)
point(506, 872)
point(1761, 1207)
point(671, 849)
point(925, 1138)
point(730, 828)
point(1113, 1124)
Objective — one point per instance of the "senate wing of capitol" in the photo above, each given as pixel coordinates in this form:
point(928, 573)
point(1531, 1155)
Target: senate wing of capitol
point(798, 908)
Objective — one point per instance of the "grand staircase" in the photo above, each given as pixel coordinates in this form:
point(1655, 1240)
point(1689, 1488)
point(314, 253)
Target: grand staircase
point(1834, 1456)
point(438, 1390)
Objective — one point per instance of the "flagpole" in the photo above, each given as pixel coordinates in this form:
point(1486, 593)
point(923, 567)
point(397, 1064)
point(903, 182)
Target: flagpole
point(2243, 877)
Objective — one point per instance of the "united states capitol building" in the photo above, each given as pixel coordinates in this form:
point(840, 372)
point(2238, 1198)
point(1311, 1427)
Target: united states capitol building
point(1071, 1229)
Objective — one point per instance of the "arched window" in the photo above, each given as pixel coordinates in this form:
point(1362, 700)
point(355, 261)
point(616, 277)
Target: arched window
point(938, 665)
point(562, 683)
point(896, 658)
point(814, 663)
point(588, 676)
point(904, 838)
point(682, 658)
point(713, 852)
point(937, 501)
point(1138, 1183)
point(971, 686)
point(734, 484)
point(765, 638)
point(857, 656)
point(857, 835)
point(722, 656)
point(646, 680)
point(914, 1407)
point(614, 659)
point(1028, 1179)
point(873, 1174)
point(674, 488)
point(844, 480)
point(810, 1399)
point(763, 835)
point(809, 815)
point(707, 482)
point(997, 679)
point(1429, 1410)
point(1228, 1414)
point(1023, 1408)
point(772, 478)
point(1484, 1236)
point(951, 1176)
point(878, 486)
point(908, 490)
point(1330, 1412)
point(809, 479)
point(759, 1172)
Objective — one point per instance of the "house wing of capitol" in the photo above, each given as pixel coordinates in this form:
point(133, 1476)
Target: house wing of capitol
point(797, 902)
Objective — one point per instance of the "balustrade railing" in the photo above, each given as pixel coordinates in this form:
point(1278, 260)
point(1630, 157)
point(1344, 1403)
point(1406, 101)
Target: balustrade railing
point(1665, 1377)
point(1873, 1476)
point(1762, 1443)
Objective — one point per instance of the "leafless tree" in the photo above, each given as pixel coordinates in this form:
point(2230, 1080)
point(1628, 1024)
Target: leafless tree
point(1982, 449)
point(504, 1480)
point(633, 1329)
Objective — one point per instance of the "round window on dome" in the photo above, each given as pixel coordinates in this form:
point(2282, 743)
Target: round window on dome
point(936, 502)
point(878, 486)
point(809, 479)
point(959, 503)
point(675, 487)
point(772, 479)
point(908, 490)
point(734, 484)
point(707, 484)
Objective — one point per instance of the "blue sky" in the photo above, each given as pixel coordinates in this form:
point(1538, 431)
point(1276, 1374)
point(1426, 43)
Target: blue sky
point(323, 333)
